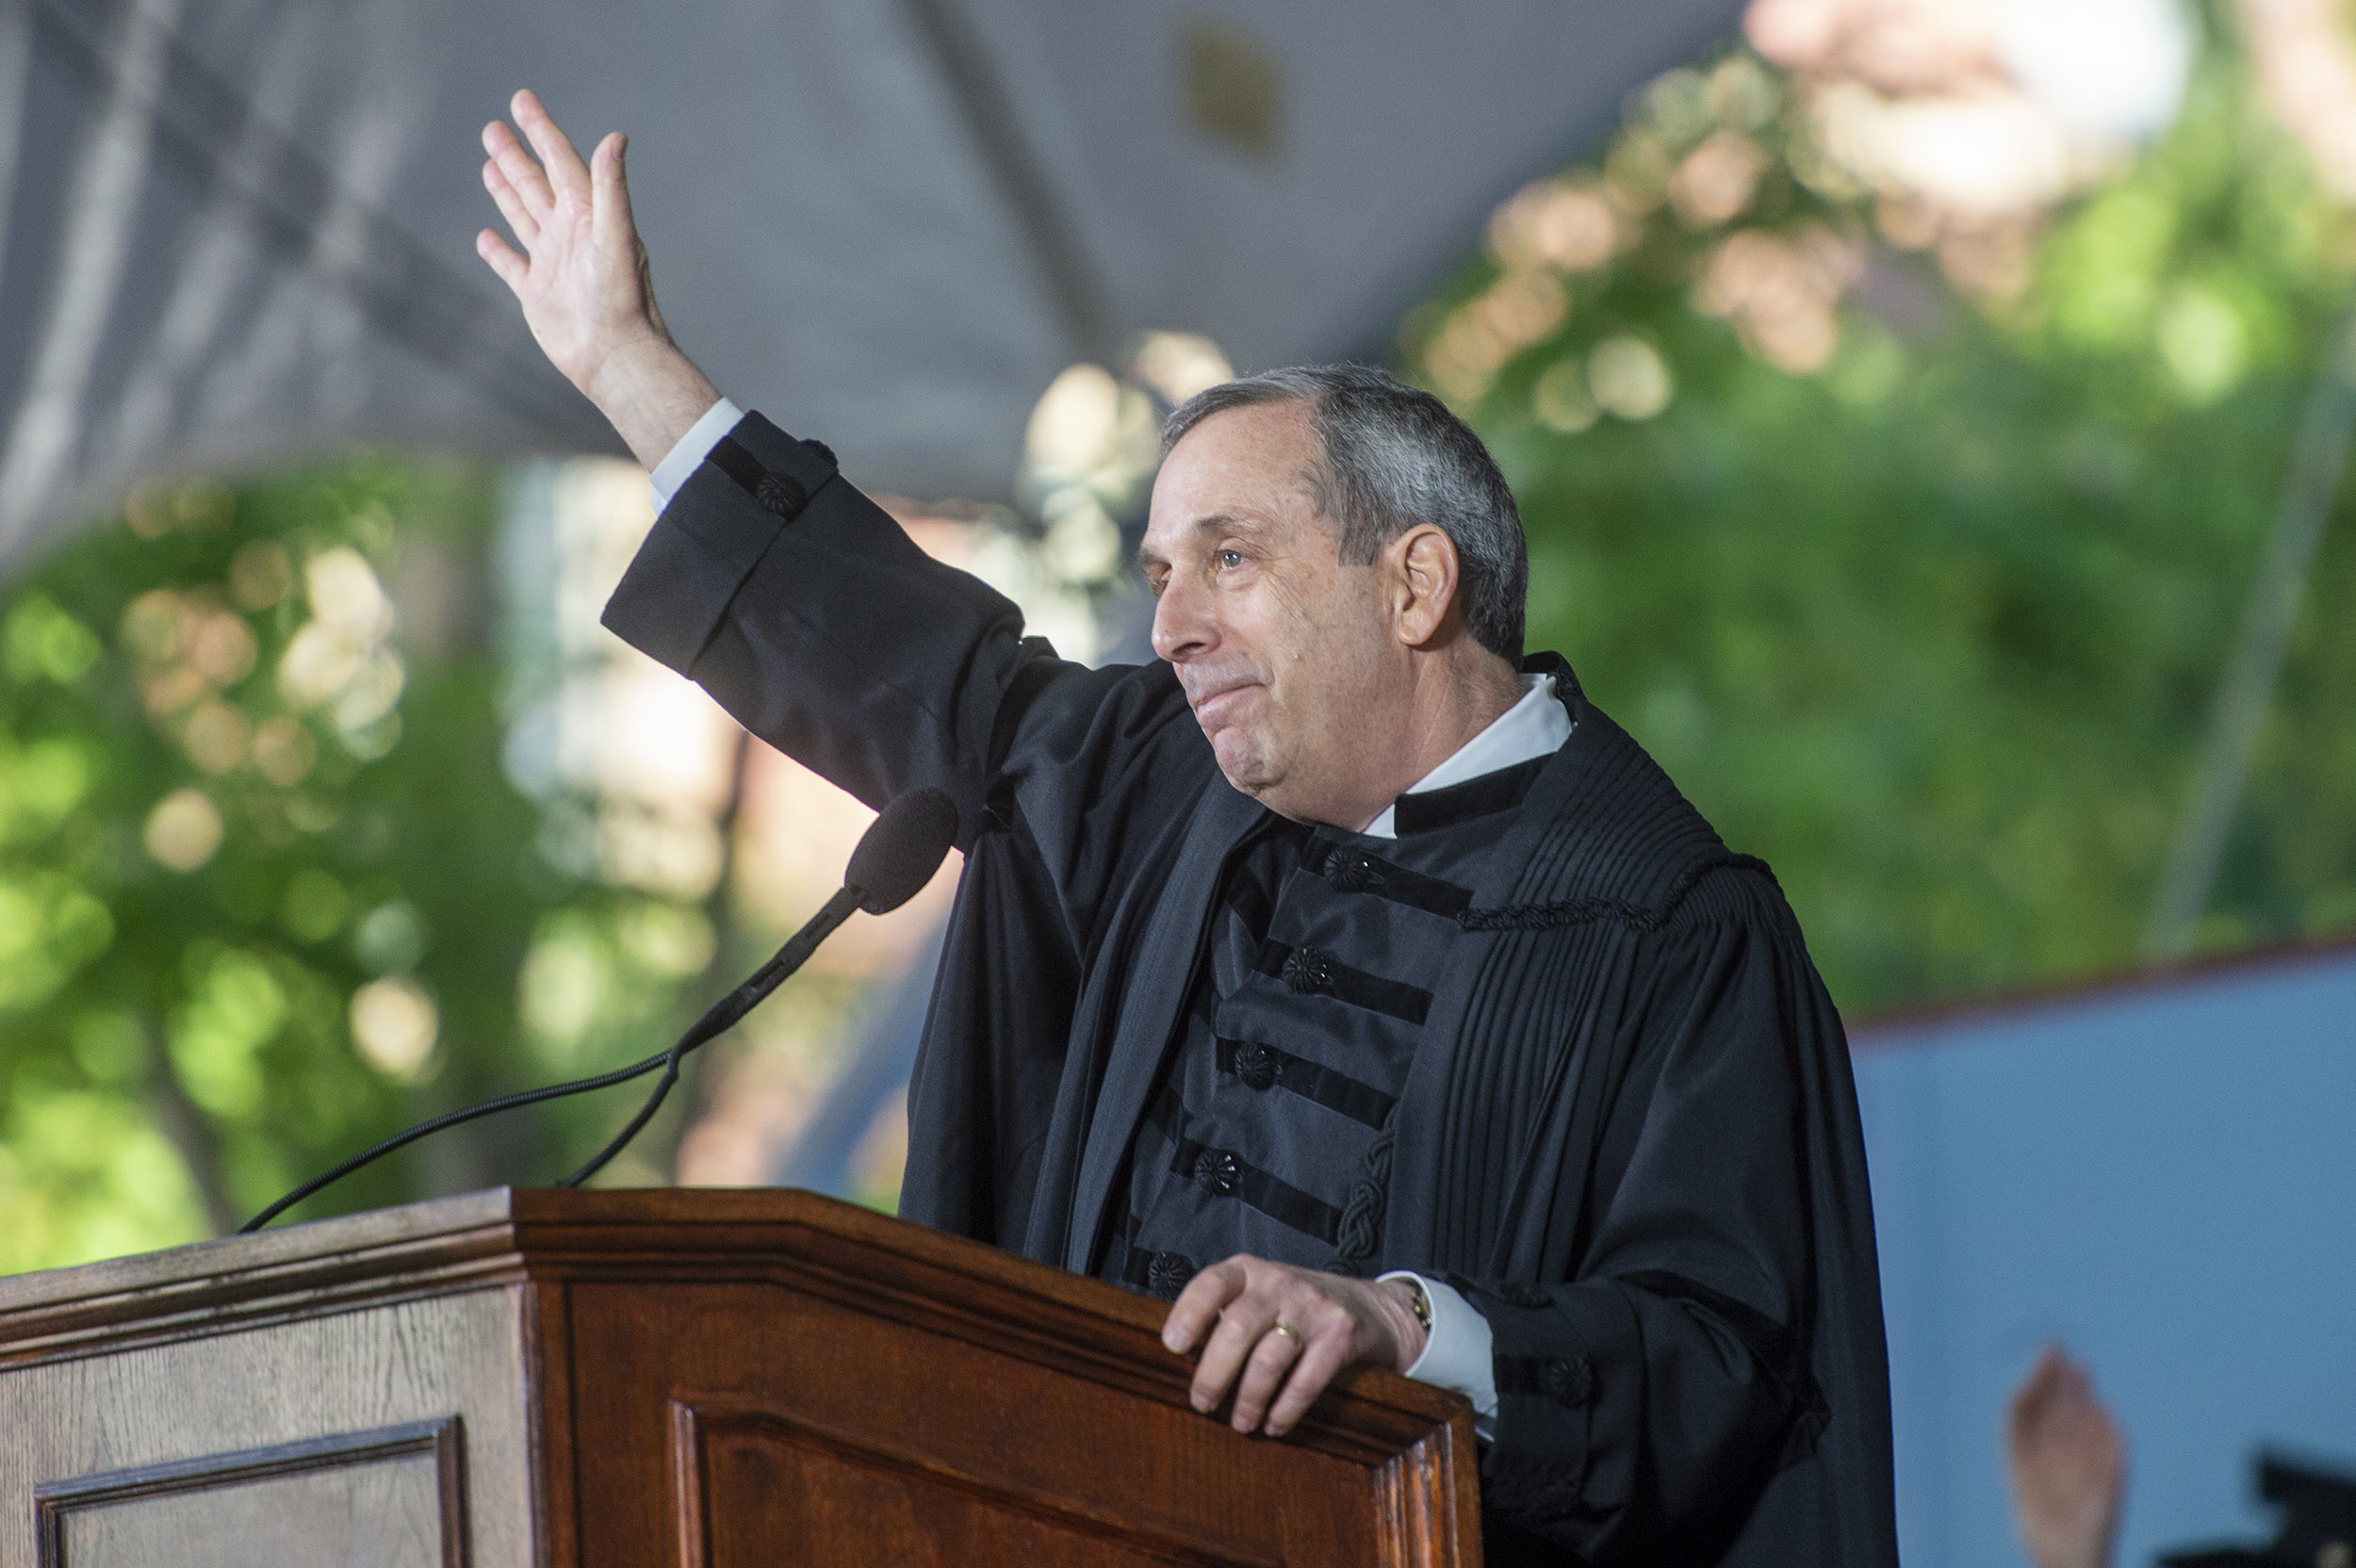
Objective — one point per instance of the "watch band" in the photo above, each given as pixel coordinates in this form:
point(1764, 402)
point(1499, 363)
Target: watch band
point(1419, 1301)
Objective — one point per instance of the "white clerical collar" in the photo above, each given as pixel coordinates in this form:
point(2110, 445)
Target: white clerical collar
point(1535, 726)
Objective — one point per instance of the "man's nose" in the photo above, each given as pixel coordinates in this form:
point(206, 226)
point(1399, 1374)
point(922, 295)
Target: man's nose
point(1183, 627)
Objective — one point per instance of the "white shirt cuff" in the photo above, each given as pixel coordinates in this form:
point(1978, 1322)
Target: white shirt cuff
point(685, 458)
point(1456, 1354)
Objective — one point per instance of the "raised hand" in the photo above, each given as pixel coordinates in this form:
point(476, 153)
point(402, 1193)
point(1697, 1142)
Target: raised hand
point(1233, 1310)
point(2068, 1466)
point(583, 280)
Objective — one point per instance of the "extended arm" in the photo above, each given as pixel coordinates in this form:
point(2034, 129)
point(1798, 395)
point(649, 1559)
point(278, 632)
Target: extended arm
point(791, 598)
point(787, 595)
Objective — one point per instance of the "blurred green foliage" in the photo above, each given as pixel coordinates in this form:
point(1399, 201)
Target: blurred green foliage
point(251, 785)
point(1933, 626)
point(1929, 616)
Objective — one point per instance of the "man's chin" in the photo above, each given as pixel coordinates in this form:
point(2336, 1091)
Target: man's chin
point(1243, 760)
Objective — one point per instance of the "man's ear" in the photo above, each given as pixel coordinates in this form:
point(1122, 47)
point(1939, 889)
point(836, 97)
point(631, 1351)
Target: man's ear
point(1426, 578)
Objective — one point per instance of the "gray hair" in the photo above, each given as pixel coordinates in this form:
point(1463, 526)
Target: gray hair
point(1396, 457)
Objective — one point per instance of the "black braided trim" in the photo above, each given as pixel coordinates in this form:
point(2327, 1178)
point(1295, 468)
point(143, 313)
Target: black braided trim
point(1361, 1229)
point(1582, 911)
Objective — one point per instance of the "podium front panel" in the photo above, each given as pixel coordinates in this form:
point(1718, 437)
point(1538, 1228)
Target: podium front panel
point(834, 1386)
point(787, 1422)
point(711, 1380)
point(392, 1498)
point(395, 1434)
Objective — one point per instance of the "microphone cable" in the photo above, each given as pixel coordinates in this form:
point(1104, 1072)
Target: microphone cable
point(724, 1014)
point(488, 1108)
point(894, 861)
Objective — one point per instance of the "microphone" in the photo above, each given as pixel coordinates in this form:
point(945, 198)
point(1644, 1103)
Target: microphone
point(901, 850)
point(894, 859)
point(890, 864)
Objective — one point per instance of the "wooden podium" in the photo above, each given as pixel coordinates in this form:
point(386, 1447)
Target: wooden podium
point(528, 1377)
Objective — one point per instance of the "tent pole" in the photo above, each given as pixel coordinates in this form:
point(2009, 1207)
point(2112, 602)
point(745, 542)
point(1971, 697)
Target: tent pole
point(1077, 293)
point(2268, 616)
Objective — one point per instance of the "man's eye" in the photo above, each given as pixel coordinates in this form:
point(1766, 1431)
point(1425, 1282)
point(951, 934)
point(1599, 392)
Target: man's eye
point(1231, 559)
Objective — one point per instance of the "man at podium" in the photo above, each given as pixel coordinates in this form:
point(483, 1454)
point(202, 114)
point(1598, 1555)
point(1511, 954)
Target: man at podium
point(1344, 976)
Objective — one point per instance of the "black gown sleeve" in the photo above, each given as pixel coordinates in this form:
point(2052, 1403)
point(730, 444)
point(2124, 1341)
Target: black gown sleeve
point(807, 614)
point(1644, 1400)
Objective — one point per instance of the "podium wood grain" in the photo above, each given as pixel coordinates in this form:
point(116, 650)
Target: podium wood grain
point(705, 1378)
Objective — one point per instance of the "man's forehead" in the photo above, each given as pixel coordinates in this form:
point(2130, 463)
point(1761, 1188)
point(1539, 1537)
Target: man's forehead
point(1243, 468)
point(1251, 434)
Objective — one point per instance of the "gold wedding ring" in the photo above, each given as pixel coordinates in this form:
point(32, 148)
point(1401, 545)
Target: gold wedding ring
point(1281, 1327)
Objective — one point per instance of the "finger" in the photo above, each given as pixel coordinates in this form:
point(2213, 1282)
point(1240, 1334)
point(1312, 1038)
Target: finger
point(1264, 1370)
point(2037, 1389)
point(1240, 1330)
point(524, 174)
point(510, 268)
point(1198, 1305)
point(609, 190)
point(1324, 1356)
point(519, 219)
point(567, 175)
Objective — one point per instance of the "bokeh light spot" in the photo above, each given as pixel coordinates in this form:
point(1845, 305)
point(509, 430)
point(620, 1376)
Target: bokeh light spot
point(184, 831)
point(394, 1025)
point(1628, 376)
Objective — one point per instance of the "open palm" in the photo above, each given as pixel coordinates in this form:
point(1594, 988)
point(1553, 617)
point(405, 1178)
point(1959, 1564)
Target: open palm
point(582, 276)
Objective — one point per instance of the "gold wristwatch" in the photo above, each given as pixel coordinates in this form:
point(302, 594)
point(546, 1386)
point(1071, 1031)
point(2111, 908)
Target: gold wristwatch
point(1419, 1301)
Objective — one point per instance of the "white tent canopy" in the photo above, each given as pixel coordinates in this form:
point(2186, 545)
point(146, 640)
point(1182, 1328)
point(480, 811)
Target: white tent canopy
point(244, 228)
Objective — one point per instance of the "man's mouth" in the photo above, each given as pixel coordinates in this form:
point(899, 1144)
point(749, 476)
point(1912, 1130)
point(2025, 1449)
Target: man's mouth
point(1214, 707)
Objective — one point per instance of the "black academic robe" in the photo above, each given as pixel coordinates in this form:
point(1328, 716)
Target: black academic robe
point(1630, 1138)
